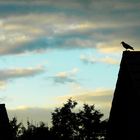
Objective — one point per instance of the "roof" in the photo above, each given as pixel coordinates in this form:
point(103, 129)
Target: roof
point(124, 120)
point(131, 60)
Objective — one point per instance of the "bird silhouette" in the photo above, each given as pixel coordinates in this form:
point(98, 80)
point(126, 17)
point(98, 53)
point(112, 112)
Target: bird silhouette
point(126, 46)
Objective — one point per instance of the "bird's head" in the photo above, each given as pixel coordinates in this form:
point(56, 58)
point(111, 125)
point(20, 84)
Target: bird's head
point(122, 42)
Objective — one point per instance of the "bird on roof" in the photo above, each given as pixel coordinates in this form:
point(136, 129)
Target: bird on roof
point(126, 46)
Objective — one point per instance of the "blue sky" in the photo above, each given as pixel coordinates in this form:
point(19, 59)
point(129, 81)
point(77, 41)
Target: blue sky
point(57, 49)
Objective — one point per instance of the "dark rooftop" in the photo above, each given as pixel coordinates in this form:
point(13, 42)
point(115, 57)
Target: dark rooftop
point(131, 60)
point(124, 120)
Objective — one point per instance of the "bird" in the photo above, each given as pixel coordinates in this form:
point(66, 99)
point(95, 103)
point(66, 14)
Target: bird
point(126, 46)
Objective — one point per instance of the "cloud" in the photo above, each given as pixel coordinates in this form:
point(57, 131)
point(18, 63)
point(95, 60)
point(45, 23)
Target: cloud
point(33, 114)
point(91, 96)
point(101, 98)
point(108, 47)
point(24, 33)
point(35, 26)
point(2, 84)
point(20, 73)
point(88, 59)
point(109, 60)
point(122, 5)
point(92, 59)
point(65, 76)
point(16, 73)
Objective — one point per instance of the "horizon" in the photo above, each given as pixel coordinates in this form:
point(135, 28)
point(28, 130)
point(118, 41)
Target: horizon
point(55, 50)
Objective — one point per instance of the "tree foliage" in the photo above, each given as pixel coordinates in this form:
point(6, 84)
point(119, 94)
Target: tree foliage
point(64, 121)
point(16, 128)
point(90, 122)
point(67, 124)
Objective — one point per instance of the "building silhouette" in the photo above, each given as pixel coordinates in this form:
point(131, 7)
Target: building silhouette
point(124, 120)
point(5, 130)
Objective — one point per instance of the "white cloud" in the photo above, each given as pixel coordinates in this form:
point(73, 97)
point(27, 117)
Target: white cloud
point(109, 60)
point(15, 73)
point(20, 72)
point(88, 59)
point(66, 76)
point(99, 96)
point(92, 59)
point(109, 47)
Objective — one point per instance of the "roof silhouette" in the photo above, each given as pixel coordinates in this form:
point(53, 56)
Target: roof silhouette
point(124, 120)
point(5, 130)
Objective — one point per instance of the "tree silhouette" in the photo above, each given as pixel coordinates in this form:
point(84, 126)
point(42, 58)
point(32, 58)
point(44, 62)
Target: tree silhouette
point(16, 128)
point(64, 121)
point(90, 123)
point(33, 132)
point(84, 125)
point(68, 123)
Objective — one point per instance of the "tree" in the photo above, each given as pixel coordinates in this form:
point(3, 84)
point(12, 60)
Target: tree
point(41, 132)
point(90, 122)
point(16, 128)
point(33, 132)
point(64, 121)
point(83, 125)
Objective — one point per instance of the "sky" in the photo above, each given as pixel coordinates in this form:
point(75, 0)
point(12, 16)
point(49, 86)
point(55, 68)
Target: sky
point(53, 50)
